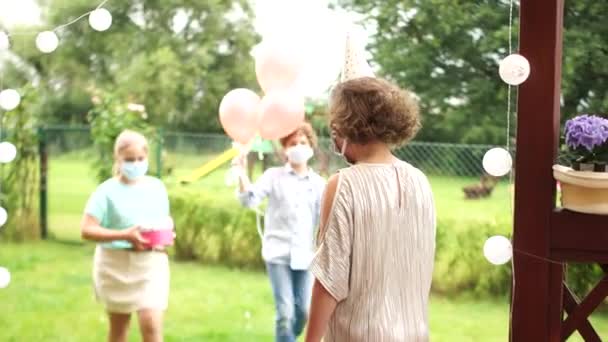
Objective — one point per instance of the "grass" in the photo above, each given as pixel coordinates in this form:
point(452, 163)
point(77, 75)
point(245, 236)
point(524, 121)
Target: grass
point(50, 299)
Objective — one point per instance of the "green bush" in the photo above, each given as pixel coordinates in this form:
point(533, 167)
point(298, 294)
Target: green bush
point(214, 231)
point(460, 266)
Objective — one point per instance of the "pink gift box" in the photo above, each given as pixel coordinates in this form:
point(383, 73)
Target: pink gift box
point(160, 234)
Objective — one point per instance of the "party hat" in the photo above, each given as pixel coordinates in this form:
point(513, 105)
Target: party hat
point(355, 64)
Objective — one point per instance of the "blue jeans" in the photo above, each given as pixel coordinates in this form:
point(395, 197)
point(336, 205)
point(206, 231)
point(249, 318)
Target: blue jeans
point(292, 291)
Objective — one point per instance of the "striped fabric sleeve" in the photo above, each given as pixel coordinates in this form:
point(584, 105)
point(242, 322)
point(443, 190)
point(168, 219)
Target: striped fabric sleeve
point(331, 265)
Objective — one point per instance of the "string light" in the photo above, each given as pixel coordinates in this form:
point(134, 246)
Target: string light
point(4, 41)
point(8, 152)
point(3, 216)
point(5, 277)
point(9, 99)
point(497, 162)
point(47, 41)
point(498, 250)
point(100, 19)
point(514, 69)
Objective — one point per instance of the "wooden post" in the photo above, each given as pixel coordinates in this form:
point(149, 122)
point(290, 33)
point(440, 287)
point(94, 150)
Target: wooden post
point(537, 292)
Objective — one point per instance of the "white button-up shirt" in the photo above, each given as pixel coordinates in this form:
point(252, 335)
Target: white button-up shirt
point(292, 214)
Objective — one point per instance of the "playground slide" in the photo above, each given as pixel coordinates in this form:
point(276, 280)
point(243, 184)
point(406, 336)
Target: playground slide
point(210, 166)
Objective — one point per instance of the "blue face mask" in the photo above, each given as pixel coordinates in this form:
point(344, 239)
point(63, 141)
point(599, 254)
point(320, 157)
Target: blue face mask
point(134, 170)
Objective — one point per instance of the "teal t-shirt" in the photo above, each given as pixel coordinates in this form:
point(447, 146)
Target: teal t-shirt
point(119, 206)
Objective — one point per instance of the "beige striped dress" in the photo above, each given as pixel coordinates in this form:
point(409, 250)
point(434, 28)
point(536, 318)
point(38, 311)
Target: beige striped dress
point(376, 254)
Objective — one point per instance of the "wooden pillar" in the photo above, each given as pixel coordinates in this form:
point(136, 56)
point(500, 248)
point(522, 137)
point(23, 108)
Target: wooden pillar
point(537, 293)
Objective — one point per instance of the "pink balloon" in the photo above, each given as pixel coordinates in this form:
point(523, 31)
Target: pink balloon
point(277, 66)
point(281, 113)
point(239, 114)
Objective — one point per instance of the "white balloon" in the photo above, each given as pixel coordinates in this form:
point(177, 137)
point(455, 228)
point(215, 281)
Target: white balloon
point(5, 277)
point(47, 41)
point(514, 69)
point(8, 152)
point(3, 216)
point(9, 99)
point(4, 41)
point(100, 19)
point(497, 162)
point(498, 250)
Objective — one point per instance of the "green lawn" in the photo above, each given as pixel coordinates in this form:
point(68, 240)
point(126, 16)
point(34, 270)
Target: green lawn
point(50, 298)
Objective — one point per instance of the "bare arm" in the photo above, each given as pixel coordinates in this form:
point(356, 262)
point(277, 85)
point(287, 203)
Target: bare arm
point(323, 304)
point(91, 230)
point(322, 307)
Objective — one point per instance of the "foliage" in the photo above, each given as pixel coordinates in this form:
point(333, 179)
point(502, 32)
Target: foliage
point(448, 53)
point(214, 232)
point(108, 118)
point(177, 57)
point(19, 178)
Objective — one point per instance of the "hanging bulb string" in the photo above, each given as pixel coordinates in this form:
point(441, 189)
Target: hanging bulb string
point(60, 27)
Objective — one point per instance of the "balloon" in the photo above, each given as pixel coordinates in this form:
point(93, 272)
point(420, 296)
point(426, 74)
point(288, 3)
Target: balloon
point(498, 250)
point(281, 113)
point(239, 114)
point(277, 65)
point(100, 19)
point(497, 162)
point(514, 69)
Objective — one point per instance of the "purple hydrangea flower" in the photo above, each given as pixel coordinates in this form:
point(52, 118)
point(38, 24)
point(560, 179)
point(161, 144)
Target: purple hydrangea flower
point(587, 131)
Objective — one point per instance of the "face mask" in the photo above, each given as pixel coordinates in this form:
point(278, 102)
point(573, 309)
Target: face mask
point(299, 154)
point(340, 152)
point(134, 170)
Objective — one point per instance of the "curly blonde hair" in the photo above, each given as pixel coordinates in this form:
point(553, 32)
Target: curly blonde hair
point(369, 109)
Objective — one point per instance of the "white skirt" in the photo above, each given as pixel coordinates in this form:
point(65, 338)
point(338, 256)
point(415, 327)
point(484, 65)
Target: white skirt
point(128, 281)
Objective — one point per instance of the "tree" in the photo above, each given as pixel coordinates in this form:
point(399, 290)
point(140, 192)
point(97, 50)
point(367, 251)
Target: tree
point(178, 57)
point(448, 53)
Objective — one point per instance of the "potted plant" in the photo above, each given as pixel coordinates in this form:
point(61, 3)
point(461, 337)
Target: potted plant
point(584, 184)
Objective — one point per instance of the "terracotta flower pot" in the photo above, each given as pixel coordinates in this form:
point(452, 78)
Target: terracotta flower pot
point(592, 167)
point(583, 191)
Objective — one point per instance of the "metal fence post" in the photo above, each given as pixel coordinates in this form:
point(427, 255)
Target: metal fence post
point(43, 152)
point(159, 153)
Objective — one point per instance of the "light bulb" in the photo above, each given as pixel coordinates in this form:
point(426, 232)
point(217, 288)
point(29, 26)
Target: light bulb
point(9, 99)
point(4, 41)
point(514, 69)
point(497, 162)
point(3, 216)
point(5, 277)
point(498, 250)
point(8, 152)
point(47, 41)
point(100, 19)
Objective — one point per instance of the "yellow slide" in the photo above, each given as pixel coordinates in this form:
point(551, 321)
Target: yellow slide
point(211, 165)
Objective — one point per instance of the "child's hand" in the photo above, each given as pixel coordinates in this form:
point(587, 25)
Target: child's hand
point(133, 235)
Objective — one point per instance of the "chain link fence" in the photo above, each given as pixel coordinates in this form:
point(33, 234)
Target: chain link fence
point(71, 176)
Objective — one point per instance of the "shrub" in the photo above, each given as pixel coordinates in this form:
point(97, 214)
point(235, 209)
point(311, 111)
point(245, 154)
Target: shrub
point(214, 231)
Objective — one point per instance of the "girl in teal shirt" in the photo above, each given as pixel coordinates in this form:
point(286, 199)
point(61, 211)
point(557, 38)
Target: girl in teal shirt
point(128, 276)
